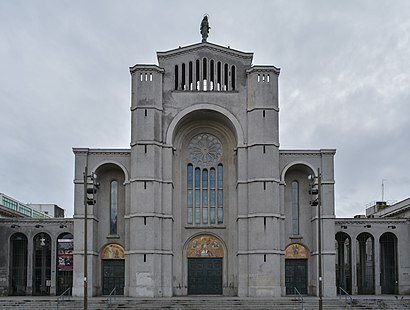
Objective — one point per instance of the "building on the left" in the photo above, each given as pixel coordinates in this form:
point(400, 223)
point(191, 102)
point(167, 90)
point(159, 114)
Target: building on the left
point(36, 248)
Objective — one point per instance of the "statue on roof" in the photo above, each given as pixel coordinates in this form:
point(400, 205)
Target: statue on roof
point(204, 29)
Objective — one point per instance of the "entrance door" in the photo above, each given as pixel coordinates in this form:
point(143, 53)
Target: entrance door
point(204, 276)
point(296, 276)
point(113, 276)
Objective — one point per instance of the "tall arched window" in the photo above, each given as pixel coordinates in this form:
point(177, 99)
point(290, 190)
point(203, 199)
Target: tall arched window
point(190, 77)
point(190, 193)
point(197, 75)
point(233, 81)
point(176, 77)
point(183, 85)
point(212, 75)
point(388, 263)
point(205, 181)
point(226, 76)
point(365, 263)
point(219, 76)
point(65, 247)
point(343, 262)
point(18, 248)
point(205, 74)
point(41, 264)
point(114, 207)
point(295, 208)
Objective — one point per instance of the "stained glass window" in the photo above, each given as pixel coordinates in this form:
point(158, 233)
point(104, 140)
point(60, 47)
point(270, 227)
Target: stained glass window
point(114, 207)
point(295, 208)
point(190, 195)
point(205, 181)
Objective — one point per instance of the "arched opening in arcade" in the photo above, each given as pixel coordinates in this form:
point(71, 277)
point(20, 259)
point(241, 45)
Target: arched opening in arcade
point(64, 274)
point(365, 263)
point(18, 266)
point(344, 262)
point(388, 263)
point(41, 264)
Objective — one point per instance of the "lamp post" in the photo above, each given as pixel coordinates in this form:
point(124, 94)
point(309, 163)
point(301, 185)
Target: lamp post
point(89, 199)
point(316, 190)
point(85, 239)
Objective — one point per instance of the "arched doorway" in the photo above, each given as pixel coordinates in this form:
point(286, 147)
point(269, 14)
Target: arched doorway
point(365, 263)
point(388, 263)
point(41, 264)
point(296, 269)
point(113, 269)
point(18, 272)
point(205, 265)
point(65, 246)
point(344, 262)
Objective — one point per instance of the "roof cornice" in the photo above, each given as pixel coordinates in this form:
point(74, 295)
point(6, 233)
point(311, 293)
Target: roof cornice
point(207, 45)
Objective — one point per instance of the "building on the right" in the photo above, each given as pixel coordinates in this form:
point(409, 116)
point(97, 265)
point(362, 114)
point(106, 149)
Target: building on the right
point(372, 250)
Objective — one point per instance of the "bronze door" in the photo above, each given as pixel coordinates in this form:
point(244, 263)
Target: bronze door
point(296, 276)
point(113, 276)
point(204, 276)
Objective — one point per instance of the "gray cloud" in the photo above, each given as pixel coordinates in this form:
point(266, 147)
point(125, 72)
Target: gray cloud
point(344, 83)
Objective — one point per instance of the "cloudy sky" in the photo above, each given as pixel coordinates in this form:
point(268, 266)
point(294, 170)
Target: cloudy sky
point(344, 83)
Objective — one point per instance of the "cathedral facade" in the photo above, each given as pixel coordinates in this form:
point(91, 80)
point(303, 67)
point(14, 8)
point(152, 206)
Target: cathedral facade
point(204, 201)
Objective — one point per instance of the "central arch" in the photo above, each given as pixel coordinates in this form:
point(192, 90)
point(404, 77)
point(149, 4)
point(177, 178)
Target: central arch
point(202, 108)
point(205, 255)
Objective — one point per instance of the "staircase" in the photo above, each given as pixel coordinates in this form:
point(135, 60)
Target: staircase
point(208, 302)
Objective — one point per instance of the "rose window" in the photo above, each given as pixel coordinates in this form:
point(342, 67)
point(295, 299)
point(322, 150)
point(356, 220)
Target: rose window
point(205, 150)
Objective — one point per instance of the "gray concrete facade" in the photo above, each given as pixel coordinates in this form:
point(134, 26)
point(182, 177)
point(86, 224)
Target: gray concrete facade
point(214, 91)
point(204, 187)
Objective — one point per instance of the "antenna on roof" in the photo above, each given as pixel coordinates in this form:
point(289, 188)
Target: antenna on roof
point(383, 188)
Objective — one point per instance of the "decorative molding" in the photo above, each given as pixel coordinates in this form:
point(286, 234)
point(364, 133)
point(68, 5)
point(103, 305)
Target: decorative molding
point(259, 252)
point(308, 152)
point(151, 180)
point(146, 67)
point(261, 215)
point(247, 146)
point(365, 221)
point(147, 142)
point(156, 215)
point(200, 226)
point(257, 180)
point(195, 91)
point(202, 46)
point(262, 69)
point(158, 252)
point(87, 151)
point(146, 107)
point(263, 108)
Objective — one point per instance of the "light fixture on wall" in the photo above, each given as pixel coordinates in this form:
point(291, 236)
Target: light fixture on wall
point(391, 226)
point(15, 226)
point(39, 226)
point(42, 241)
point(63, 226)
point(343, 227)
point(367, 226)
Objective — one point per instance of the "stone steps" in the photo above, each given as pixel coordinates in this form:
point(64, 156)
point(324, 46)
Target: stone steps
point(193, 303)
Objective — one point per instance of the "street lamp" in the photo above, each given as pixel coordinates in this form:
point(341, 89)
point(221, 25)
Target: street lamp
point(315, 192)
point(90, 189)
